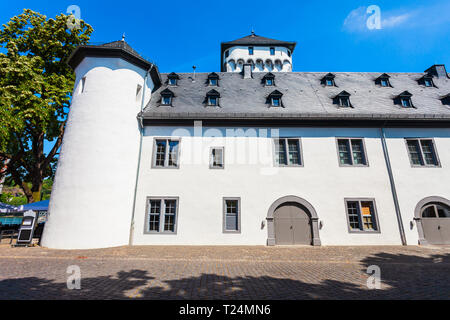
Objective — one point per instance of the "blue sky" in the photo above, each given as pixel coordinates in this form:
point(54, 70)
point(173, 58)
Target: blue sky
point(330, 35)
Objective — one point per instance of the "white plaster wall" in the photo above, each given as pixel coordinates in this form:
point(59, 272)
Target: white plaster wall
point(263, 53)
point(414, 184)
point(321, 182)
point(91, 204)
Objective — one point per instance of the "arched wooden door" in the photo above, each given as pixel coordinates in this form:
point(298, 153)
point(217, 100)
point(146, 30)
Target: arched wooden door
point(292, 225)
point(436, 223)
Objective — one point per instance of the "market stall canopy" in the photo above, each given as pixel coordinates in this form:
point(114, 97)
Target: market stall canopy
point(37, 206)
point(7, 208)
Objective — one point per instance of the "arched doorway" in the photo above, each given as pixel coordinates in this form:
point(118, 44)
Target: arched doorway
point(432, 216)
point(292, 221)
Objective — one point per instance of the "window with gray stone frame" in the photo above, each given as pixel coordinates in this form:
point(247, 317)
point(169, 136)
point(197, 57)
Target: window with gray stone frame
point(422, 153)
point(161, 215)
point(287, 152)
point(231, 215)
point(351, 152)
point(166, 153)
point(362, 215)
point(217, 157)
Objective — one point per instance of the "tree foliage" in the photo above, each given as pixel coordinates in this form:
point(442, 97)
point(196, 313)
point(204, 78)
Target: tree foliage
point(36, 85)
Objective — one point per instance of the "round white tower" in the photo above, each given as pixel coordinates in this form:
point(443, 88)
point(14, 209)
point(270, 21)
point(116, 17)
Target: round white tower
point(92, 197)
point(264, 54)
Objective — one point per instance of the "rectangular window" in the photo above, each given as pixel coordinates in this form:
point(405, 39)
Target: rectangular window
point(288, 152)
point(231, 215)
point(351, 152)
point(422, 152)
point(428, 83)
point(361, 215)
point(384, 83)
point(269, 82)
point(173, 81)
point(212, 101)
point(276, 102)
point(217, 158)
point(166, 153)
point(162, 215)
point(213, 82)
point(344, 102)
point(272, 51)
point(167, 100)
point(250, 51)
point(330, 82)
point(406, 102)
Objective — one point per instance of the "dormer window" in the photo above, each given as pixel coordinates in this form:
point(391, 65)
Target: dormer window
point(213, 79)
point(274, 99)
point(166, 97)
point(343, 100)
point(250, 51)
point(404, 100)
point(328, 80)
point(383, 80)
point(446, 99)
point(427, 81)
point(173, 79)
point(272, 51)
point(212, 98)
point(268, 80)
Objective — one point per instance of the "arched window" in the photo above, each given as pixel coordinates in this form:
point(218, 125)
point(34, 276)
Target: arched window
point(269, 65)
point(436, 210)
point(278, 65)
point(231, 65)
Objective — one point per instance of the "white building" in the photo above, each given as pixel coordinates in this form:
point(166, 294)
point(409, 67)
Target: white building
point(253, 155)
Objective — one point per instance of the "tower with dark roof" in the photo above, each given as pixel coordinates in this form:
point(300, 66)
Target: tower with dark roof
point(263, 54)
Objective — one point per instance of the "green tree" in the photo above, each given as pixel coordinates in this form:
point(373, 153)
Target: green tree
point(35, 91)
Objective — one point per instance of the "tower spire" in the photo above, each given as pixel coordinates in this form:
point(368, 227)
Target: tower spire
point(123, 36)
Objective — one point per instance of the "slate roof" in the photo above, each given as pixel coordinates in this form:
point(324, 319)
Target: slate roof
point(256, 40)
point(303, 97)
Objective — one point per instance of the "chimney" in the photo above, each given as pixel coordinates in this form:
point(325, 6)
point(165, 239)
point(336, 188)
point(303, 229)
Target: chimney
point(437, 70)
point(247, 71)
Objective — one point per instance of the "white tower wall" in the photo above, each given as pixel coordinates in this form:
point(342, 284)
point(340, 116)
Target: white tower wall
point(93, 192)
point(241, 54)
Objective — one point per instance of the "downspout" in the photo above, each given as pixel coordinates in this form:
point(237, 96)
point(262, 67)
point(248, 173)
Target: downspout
point(141, 132)
point(392, 182)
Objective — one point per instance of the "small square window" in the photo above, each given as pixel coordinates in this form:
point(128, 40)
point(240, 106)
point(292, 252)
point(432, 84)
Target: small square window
point(362, 215)
point(288, 152)
point(250, 51)
point(428, 82)
point(213, 101)
point(422, 153)
point(406, 102)
point(351, 152)
point(166, 153)
point(167, 100)
point(329, 82)
point(272, 51)
point(276, 102)
point(344, 102)
point(269, 82)
point(384, 83)
point(161, 216)
point(172, 81)
point(213, 82)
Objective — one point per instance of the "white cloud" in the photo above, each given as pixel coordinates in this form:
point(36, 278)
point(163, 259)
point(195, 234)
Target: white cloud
point(394, 21)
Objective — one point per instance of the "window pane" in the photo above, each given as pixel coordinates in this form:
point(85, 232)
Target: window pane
point(428, 152)
point(154, 215)
point(169, 217)
point(160, 153)
point(173, 153)
point(368, 216)
point(329, 82)
point(344, 102)
point(358, 152)
point(344, 152)
point(217, 157)
point(294, 152)
point(443, 211)
point(384, 83)
point(414, 152)
point(276, 102)
point(406, 102)
point(280, 152)
point(353, 215)
point(429, 212)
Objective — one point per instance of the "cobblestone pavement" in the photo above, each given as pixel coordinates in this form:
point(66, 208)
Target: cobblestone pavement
point(273, 273)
